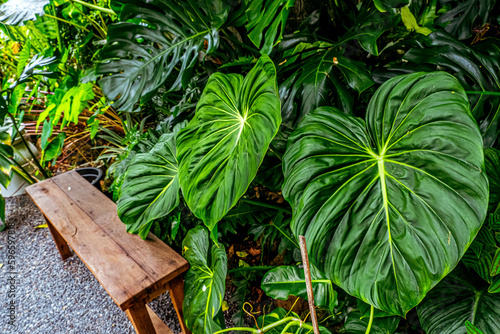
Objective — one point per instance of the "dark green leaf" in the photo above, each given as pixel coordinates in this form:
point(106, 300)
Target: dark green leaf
point(492, 164)
point(477, 68)
point(465, 15)
point(265, 21)
point(166, 39)
point(306, 87)
point(370, 25)
point(495, 263)
point(386, 5)
point(355, 73)
point(151, 187)
point(221, 149)
point(282, 282)
point(365, 309)
point(205, 281)
point(495, 285)
point(54, 148)
point(46, 133)
point(310, 80)
point(388, 207)
point(457, 299)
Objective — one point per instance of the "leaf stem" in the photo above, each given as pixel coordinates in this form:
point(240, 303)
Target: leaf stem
point(92, 6)
point(292, 321)
point(67, 22)
point(370, 322)
point(482, 93)
point(96, 25)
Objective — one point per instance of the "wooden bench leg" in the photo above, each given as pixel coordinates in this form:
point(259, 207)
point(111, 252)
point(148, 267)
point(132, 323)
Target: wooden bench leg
point(61, 244)
point(139, 317)
point(177, 296)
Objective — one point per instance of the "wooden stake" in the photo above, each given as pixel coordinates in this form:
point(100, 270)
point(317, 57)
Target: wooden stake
point(307, 274)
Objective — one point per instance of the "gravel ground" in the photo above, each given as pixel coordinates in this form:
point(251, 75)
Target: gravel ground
point(51, 295)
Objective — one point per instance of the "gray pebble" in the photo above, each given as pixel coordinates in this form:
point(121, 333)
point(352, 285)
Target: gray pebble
point(55, 296)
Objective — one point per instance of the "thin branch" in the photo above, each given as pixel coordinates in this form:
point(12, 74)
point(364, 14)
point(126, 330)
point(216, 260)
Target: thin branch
point(307, 274)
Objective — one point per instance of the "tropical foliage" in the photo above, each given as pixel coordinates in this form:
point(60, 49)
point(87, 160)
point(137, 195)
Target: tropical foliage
point(371, 127)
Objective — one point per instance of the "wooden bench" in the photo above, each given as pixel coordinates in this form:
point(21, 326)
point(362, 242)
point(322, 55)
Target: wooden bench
point(133, 271)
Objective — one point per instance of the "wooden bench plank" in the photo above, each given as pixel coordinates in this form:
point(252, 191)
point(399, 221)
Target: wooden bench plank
point(121, 276)
point(154, 256)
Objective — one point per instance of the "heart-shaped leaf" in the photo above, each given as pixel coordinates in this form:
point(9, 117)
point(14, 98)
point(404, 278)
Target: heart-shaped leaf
point(222, 147)
point(388, 207)
point(205, 281)
point(151, 187)
point(459, 298)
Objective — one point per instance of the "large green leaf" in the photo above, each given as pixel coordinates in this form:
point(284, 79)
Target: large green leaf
point(388, 207)
point(222, 147)
point(151, 187)
point(460, 20)
point(16, 12)
point(310, 80)
point(476, 67)
point(370, 25)
point(205, 281)
point(281, 282)
point(459, 298)
point(156, 40)
point(265, 21)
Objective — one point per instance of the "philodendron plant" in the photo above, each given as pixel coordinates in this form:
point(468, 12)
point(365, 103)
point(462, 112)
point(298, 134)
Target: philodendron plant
point(388, 205)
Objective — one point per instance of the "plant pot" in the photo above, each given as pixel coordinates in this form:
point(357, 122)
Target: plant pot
point(91, 174)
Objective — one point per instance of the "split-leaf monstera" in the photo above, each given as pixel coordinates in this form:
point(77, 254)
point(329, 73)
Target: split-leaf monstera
point(222, 147)
point(155, 40)
point(390, 205)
